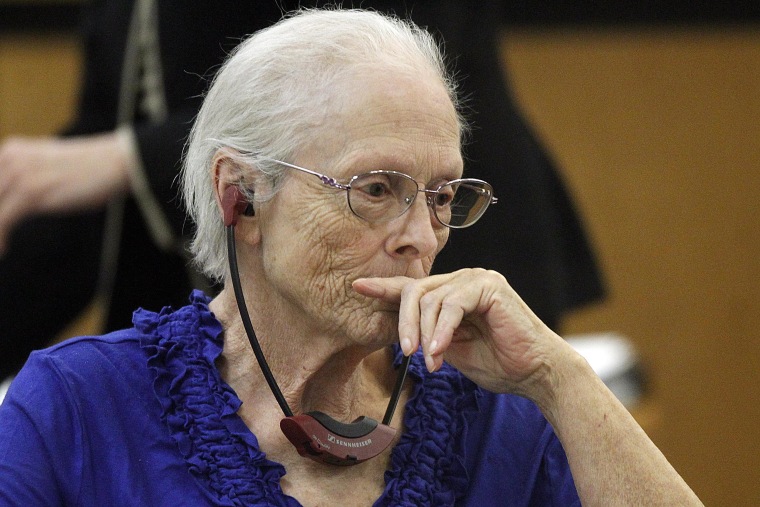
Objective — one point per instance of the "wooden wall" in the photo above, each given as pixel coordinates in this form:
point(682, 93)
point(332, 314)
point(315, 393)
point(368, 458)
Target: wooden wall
point(39, 78)
point(658, 134)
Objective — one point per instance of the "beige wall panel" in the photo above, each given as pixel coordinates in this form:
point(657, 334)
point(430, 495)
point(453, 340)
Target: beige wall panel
point(658, 135)
point(39, 79)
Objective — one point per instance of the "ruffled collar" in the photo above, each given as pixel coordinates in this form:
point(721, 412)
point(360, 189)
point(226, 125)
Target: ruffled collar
point(200, 410)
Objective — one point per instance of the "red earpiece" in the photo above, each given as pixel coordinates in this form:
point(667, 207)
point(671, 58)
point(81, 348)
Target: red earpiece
point(233, 204)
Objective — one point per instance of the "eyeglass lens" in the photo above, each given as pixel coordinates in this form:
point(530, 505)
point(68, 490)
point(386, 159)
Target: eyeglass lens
point(382, 196)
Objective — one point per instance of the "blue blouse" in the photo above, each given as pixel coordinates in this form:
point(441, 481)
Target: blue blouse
point(142, 417)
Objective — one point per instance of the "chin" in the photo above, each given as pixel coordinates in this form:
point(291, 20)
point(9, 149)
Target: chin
point(379, 329)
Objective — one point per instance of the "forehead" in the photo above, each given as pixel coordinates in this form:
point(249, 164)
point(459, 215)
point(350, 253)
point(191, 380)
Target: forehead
point(390, 120)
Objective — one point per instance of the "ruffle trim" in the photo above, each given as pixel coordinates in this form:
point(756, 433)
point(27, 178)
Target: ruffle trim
point(200, 409)
point(428, 463)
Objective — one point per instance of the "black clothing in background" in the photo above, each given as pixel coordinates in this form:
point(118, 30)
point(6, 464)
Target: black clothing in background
point(533, 236)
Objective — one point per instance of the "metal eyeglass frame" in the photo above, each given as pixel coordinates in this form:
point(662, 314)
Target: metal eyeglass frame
point(429, 193)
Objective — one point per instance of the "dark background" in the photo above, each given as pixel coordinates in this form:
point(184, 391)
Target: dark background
point(40, 15)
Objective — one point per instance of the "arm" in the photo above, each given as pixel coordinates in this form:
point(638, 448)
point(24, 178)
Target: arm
point(50, 175)
point(193, 44)
point(38, 439)
point(474, 320)
point(612, 459)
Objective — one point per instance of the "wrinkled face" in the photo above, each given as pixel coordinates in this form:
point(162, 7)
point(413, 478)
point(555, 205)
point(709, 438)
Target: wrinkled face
point(313, 246)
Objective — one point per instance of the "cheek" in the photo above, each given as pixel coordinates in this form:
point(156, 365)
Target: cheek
point(334, 254)
point(330, 247)
point(340, 247)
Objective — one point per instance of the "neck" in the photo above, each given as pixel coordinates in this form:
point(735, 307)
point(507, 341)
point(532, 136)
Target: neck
point(314, 372)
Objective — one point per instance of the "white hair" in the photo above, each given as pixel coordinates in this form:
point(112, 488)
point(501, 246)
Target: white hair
point(272, 93)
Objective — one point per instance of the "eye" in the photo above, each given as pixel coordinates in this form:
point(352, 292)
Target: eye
point(375, 189)
point(375, 186)
point(444, 196)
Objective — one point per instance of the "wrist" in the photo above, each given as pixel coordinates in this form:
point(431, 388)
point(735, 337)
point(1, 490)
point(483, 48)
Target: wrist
point(564, 375)
point(128, 156)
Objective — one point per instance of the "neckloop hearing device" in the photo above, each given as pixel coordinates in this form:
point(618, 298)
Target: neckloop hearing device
point(314, 434)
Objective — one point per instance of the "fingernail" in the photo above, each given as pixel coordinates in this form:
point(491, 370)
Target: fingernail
point(433, 348)
point(429, 363)
point(406, 346)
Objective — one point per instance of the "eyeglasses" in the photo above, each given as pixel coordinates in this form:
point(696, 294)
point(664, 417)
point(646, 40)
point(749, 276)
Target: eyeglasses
point(381, 196)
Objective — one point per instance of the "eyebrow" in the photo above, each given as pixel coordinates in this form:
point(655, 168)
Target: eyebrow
point(391, 163)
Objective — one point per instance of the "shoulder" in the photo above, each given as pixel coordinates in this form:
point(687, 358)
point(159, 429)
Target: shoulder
point(74, 377)
point(76, 413)
point(86, 352)
point(93, 367)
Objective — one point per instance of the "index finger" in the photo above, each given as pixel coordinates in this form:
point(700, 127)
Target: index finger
point(387, 289)
point(396, 290)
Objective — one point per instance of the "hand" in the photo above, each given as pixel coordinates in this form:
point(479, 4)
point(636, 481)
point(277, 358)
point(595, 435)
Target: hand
point(474, 320)
point(49, 175)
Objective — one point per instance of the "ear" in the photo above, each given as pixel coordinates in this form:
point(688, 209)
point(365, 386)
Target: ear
point(234, 204)
point(229, 197)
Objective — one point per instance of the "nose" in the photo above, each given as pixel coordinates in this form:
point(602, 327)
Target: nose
point(418, 233)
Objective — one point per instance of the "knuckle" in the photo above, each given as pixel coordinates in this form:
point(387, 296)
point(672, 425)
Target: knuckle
point(412, 289)
point(450, 303)
point(488, 275)
point(495, 276)
point(430, 300)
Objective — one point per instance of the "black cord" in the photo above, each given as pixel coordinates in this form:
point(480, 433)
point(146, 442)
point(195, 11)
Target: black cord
point(397, 390)
point(232, 255)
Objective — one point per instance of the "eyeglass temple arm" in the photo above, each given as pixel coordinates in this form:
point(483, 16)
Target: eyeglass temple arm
point(330, 182)
point(494, 199)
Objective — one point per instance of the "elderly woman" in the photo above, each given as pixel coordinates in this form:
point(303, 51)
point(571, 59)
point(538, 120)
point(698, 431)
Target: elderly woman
point(324, 173)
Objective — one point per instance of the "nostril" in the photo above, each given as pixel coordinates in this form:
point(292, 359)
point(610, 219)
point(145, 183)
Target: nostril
point(407, 251)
